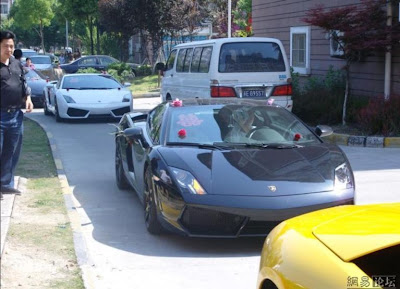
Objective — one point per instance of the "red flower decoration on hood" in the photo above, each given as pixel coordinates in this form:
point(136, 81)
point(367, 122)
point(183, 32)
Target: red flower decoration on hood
point(177, 103)
point(297, 136)
point(182, 133)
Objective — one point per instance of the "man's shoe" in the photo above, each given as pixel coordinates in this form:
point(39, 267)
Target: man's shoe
point(10, 191)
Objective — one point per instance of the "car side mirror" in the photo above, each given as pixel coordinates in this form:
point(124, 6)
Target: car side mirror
point(135, 134)
point(160, 66)
point(323, 130)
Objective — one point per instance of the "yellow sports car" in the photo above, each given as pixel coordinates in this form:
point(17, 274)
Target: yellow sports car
point(347, 247)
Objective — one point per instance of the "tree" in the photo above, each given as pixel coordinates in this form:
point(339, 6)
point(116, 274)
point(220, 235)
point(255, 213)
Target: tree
point(82, 10)
point(362, 32)
point(242, 18)
point(35, 14)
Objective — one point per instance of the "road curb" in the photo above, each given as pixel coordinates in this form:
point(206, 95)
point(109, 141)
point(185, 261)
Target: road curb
point(363, 141)
point(72, 205)
point(146, 95)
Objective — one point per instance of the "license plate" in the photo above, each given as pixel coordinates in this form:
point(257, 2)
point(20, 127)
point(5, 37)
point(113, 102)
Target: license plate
point(253, 93)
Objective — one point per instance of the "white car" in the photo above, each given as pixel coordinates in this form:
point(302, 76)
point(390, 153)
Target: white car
point(87, 95)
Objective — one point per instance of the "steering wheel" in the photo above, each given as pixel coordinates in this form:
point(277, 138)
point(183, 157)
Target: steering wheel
point(253, 130)
point(289, 129)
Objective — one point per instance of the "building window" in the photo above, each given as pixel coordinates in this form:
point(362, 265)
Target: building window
point(4, 8)
point(300, 49)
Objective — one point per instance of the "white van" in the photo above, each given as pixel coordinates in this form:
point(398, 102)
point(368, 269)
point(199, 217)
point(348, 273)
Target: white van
point(251, 67)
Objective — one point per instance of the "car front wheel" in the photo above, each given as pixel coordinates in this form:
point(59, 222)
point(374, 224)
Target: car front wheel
point(122, 182)
point(153, 226)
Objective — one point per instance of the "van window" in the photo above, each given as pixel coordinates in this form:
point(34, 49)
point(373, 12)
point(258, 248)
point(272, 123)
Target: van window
point(205, 59)
point(196, 59)
point(188, 58)
point(251, 57)
point(171, 60)
point(181, 60)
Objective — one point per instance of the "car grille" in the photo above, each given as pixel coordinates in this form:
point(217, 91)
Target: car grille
point(121, 111)
point(75, 112)
point(199, 221)
point(257, 228)
point(107, 115)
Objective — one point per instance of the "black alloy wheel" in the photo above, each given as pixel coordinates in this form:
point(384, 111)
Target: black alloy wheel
point(122, 182)
point(153, 226)
point(58, 117)
point(45, 109)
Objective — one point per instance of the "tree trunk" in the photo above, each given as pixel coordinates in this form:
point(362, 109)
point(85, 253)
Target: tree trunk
point(346, 93)
point(91, 35)
point(42, 36)
point(98, 37)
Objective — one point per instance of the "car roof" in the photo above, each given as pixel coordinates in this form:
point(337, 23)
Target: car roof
point(228, 40)
point(40, 56)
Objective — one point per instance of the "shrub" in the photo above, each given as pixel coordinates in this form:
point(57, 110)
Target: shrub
point(120, 71)
point(87, 70)
point(381, 117)
point(144, 70)
point(320, 99)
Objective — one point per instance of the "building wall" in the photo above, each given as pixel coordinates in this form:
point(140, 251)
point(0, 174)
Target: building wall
point(273, 18)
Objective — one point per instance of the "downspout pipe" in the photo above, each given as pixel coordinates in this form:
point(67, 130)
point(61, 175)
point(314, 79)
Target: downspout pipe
point(388, 55)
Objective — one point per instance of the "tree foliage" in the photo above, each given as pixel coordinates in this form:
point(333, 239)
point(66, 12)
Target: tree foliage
point(36, 14)
point(363, 31)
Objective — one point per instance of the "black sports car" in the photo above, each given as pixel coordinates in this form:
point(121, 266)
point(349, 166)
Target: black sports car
point(227, 167)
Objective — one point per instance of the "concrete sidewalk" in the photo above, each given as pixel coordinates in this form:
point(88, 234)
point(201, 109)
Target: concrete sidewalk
point(7, 206)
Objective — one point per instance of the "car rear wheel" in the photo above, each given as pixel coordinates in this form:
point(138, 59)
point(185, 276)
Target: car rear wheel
point(122, 182)
point(153, 226)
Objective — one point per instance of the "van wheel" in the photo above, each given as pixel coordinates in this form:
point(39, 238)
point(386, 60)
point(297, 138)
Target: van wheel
point(168, 98)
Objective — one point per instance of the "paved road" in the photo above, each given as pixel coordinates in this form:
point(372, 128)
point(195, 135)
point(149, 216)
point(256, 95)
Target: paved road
point(123, 255)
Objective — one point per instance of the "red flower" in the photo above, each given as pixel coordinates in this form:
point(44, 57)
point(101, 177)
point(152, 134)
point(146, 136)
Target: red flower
point(297, 136)
point(182, 133)
point(177, 103)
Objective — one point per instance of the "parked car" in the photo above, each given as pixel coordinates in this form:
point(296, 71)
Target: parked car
point(44, 64)
point(252, 67)
point(83, 96)
point(198, 173)
point(27, 53)
point(341, 247)
point(37, 82)
point(99, 62)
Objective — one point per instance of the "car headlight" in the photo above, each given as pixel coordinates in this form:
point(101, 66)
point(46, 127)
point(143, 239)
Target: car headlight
point(68, 99)
point(343, 177)
point(187, 182)
point(127, 98)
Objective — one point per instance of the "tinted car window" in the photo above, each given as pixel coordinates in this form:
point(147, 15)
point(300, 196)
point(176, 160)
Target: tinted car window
point(188, 58)
point(33, 75)
point(41, 60)
point(90, 82)
point(107, 60)
point(205, 59)
point(88, 61)
point(154, 123)
point(251, 57)
point(171, 60)
point(181, 60)
point(218, 123)
point(196, 59)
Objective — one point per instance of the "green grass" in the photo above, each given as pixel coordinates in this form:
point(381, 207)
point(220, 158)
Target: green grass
point(36, 159)
point(145, 84)
point(44, 227)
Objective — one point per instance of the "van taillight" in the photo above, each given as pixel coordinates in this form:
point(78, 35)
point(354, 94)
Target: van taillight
point(222, 91)
point(282, 90)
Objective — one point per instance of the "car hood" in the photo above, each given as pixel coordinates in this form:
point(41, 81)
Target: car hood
point(361, 230)
point(37, 86)
point(91, 96)
point(259, 172)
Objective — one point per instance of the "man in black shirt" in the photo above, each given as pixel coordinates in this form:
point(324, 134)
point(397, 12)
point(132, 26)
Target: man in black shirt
point(15, 94)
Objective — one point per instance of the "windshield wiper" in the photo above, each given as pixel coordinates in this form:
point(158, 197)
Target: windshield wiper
point(274, 145)
point(218, 146)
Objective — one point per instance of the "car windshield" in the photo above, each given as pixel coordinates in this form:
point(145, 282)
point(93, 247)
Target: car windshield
point(41, 60)
point(251, 57)
point(33, 75)
point(28, 53)
point(90, 82)
point(242, 125)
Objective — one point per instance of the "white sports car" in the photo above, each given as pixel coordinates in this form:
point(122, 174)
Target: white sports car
point(87, 95)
